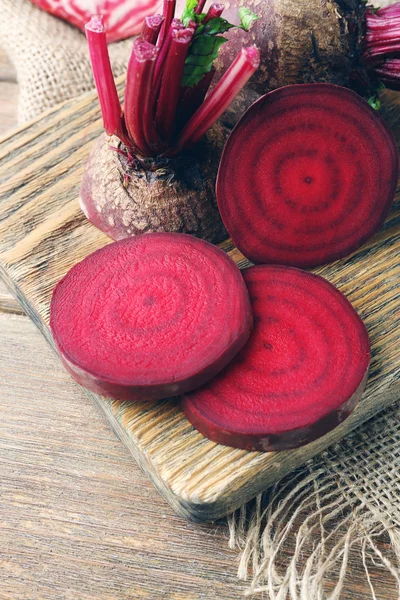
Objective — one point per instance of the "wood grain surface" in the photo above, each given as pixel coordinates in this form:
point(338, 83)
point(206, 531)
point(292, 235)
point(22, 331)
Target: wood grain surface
point(43, 233)
point(8, 303)
point(8, 120)
point(75, 508)
point(78, 518)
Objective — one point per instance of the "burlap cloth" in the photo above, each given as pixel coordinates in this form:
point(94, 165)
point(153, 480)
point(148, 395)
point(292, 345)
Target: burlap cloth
point(50, 57)
point(306, 529)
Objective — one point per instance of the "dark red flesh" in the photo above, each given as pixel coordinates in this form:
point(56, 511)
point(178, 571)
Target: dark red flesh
point(300, 374)
point(307, 176)
point(150, 317)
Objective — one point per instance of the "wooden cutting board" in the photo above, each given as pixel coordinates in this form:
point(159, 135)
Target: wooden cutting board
point(43, 234)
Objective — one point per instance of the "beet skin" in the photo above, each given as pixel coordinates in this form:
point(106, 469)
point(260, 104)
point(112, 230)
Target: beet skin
point(168, 195)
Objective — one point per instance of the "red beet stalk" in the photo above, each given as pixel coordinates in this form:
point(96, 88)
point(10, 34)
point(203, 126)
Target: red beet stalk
point(192, 97)
point(307, 176)
point(220, 97)
point(168, 14)
point(163, 53)
point(151, 120)
point(382, 36)
point(213, 12)
point(199, 8)
point(138, 98)
point(168, 99)
point(103, 77)
point(389, 73)
point(382, 44)
point(151, 28)
point(301, 373)
point(150, 317)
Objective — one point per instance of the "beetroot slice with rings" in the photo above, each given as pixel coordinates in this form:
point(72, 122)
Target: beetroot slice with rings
point(150, 317)
point(301, 373)
point(307, 176)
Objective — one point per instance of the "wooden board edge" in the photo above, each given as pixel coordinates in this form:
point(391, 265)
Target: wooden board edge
point(199, 512)
point(223, 505)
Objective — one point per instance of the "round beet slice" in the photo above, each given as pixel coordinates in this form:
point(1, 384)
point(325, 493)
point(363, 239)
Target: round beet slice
point(301, 373)
point(151, 316)
point(307, 176)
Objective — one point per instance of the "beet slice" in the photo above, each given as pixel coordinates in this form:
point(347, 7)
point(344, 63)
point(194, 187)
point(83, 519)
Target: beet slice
point(150, 317)
point(307, 176)
point(301, 373)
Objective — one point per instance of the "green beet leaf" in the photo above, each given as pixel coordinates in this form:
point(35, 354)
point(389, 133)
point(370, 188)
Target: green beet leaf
point(207, 40)
point(203, 51)
point(188, 12)
point(247, 18)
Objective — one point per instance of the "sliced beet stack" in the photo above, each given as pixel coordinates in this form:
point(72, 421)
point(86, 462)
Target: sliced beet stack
point(307, 176)
point(150, 317)
point(301, 373)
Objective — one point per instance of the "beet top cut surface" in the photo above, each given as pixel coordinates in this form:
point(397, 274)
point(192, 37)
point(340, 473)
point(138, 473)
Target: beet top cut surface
point(300, 374)
point(151, 316)
point(307, 176)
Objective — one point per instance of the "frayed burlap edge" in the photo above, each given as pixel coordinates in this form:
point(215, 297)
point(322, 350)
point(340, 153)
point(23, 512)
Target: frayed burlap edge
point(305, 530)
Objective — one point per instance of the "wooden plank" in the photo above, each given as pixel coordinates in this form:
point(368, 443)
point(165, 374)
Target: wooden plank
point(8, 303)
point(78, 519)
point(8, 120)
point(43, 233)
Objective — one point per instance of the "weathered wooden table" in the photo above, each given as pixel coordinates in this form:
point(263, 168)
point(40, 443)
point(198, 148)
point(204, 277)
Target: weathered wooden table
point(78, 519)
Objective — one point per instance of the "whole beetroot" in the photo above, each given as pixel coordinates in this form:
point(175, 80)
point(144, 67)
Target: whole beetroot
point(302, 41)
point(158, 170)
point(122, 197)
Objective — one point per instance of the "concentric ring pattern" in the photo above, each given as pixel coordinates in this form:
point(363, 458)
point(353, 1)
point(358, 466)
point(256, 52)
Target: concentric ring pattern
point(307, 176)
point(154, 309)
point(300, 372)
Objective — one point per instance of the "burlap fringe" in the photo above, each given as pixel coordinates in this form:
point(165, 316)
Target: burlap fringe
point(306, 529)
point(262, 539)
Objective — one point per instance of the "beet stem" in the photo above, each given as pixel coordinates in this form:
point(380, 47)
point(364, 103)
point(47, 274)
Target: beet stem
point(151, 28)
point(199, 8)
point(389, 73)
point(382, 42)
point(193, 97)
point(106, 89)
point(138, 98)
point(220, 97)
point(168, 99)
point(161, 58)
point(214, 12)
point(168, 14)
